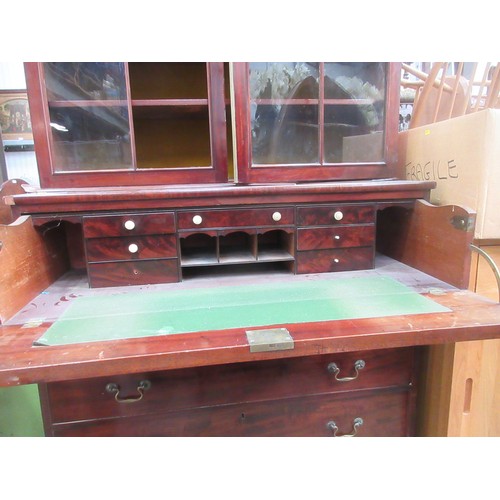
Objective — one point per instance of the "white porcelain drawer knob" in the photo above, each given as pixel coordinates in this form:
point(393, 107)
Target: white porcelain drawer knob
point(338, 215)
point(276, 216)
point(336, 261)
point(197, 219)
point(133, 248)
point(129, 224)
point(336, 237)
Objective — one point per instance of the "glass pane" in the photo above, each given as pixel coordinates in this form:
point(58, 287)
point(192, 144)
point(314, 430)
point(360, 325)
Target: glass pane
point(283, 80)
point(355, 80)
point(70, 81)
point(284, 134)
point(354, 133)
point(172, 136)
point(173, 80)
point(90, 138)
point(354, 128)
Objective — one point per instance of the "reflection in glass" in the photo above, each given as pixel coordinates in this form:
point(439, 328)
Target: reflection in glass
point(285, 134)
point(283, 80)
point(70, 81)
point(350, 136)
point(90, 138)
point(355, 80)
point(284, 114)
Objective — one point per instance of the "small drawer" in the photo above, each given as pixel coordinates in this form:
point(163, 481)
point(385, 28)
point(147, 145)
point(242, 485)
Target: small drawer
point(127, 248)
point(329, 261)
point(139, 272)
point(363, 414)
point(322, 215)
point(280, 216)
point(235, 383)
point(128, 225)
point(335, 237)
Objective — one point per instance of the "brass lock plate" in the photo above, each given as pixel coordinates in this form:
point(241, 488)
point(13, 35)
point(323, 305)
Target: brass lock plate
point(270, 339)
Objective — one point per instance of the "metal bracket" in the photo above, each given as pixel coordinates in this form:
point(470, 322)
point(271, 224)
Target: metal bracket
point(270, 339)
point(463, 223)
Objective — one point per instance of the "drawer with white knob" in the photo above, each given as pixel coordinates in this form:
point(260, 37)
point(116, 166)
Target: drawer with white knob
point(128, 224)
point(252, 217)
point(341, 259)
point(335, 237)
point(132, 247)
point(328, 215)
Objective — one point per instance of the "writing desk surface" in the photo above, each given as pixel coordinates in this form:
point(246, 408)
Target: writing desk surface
point(459, 315)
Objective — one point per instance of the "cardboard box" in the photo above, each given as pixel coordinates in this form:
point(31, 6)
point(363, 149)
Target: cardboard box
point(462, 155)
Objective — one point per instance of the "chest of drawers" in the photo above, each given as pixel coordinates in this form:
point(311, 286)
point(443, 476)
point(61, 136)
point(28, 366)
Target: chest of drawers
point(162, 247)
point(367, 393)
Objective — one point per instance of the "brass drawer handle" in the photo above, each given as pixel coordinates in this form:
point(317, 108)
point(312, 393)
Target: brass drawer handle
point(356, 424)
point(142, 386)
point(335, 370)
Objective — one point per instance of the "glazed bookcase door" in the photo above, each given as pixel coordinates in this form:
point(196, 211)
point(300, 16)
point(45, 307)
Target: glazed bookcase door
point(306, 121)
point(111, 124)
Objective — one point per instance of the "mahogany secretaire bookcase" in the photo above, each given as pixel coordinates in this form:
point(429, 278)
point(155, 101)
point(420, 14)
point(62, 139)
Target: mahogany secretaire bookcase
point(223, 249)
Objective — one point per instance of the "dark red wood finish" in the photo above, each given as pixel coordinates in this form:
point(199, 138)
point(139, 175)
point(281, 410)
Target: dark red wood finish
point(318, 215)
point(149, 247)
point(384, 414)
point(137, 272)
point(49, 178)
point(259, 398)
point(236, 218)
point(70, 201)
point(335, 237)
point(228, 384)
point(114, 225)
point(329, 261)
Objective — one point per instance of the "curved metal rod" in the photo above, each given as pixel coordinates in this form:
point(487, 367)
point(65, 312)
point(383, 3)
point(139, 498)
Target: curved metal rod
point(492, 264)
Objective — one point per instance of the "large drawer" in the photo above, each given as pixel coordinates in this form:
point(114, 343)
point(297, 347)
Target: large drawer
point(128, 224)
point(326, 215)
point(138, 272)
point(335, 237)
point(131, 247)
point(280, 216)
point(383, 413)
point(329, 261)
point(228, 384)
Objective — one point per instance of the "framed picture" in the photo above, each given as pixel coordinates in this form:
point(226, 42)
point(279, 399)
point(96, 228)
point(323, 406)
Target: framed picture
point(15, 119)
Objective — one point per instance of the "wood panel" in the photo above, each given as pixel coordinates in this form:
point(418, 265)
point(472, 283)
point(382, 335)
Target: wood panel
point(415, 237)
point(234, 383)
point(9, 188)
point(384, 413)
point(461, 393)
point(30, 261)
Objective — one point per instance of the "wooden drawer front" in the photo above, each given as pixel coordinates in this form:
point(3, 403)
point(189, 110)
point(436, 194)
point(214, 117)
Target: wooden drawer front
point(335, 215)
point(128, 225)
point(140, 272)
point(384, 414)
point(127, 248)
point(278, 216)
point(235, 383)
point(335, 237)
point(329, 261)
